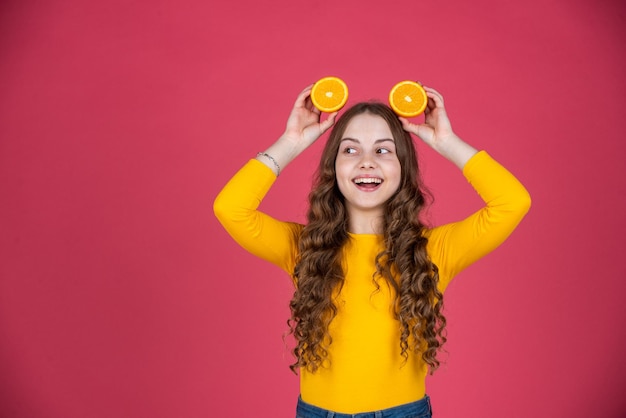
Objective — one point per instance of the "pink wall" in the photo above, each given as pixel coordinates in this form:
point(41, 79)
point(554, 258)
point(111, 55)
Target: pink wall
point(120, 295)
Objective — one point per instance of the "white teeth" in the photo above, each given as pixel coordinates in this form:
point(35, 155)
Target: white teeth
point(368, 180)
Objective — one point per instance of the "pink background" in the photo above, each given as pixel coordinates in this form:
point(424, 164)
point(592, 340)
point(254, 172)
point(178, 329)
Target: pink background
point(120, 295)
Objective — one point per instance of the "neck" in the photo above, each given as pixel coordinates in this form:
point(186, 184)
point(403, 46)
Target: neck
point(366, 224)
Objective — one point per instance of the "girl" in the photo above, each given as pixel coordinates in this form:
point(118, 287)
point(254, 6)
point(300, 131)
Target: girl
point(369, 276)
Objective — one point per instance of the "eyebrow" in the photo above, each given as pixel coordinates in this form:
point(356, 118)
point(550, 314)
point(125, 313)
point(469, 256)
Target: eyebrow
point(378, 141)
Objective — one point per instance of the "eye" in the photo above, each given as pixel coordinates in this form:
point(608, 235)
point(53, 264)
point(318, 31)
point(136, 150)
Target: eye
point(349, 150)
point(382, 151)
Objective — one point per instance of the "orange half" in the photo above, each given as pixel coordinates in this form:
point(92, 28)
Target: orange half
point(329, 94)
point(408, 99)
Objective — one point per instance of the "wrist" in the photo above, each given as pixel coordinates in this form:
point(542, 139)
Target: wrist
point(279, 154)
point(273, 164)
point(289, 146)
point(456, 150)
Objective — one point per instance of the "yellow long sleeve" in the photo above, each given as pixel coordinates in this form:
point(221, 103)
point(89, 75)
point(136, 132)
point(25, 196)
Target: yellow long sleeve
point(365, 369)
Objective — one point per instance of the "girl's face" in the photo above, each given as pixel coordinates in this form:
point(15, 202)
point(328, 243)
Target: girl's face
point(367, 167)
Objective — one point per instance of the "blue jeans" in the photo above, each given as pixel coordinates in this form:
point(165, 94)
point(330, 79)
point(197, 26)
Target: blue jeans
point(417, 409)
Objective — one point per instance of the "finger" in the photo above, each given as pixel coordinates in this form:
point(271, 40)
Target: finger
point(432, 103)
point(432, 90)
point(435, 96)
point(303, 96)
point(308, 104)
point(328, 122)
point(430, 106)
point(422, 131)
point(436, 101)
point(429, 103)
point(408, 126)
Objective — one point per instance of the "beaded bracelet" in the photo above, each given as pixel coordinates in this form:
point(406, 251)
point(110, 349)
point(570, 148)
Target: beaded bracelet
point(272, 160)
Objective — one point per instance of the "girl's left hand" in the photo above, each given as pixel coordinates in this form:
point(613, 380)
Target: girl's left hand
point(436, 129)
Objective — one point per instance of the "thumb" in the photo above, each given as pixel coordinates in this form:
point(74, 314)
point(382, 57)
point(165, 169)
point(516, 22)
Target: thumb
point(408, 126)
point(423, 132)
point(412, 127)
point(326, 124)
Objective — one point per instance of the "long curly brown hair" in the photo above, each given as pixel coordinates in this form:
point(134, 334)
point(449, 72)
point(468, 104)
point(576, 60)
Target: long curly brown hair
point(404, 263)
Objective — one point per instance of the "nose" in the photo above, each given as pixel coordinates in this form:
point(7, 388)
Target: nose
point(367, 162)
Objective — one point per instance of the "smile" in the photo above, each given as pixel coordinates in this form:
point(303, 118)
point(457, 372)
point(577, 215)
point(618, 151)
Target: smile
point(368, 180)
point(367, 183)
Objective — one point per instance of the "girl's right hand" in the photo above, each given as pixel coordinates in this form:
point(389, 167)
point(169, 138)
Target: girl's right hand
point(303, 125)
point(303, 129)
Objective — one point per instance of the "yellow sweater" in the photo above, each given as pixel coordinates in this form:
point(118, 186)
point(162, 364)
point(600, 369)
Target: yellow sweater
point(365, 371)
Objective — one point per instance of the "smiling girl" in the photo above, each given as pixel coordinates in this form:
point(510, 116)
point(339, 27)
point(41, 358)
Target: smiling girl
point(369, 276)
